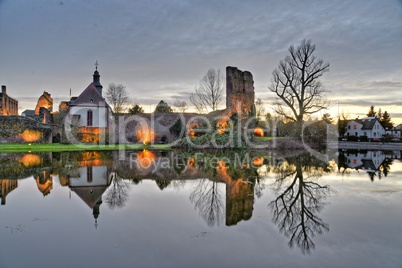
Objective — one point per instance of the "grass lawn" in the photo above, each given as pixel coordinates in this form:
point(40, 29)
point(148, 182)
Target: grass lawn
point(270, 138)
point(57, 147)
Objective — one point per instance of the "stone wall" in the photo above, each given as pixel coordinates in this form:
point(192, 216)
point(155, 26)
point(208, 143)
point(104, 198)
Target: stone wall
point(22, 129)
point(239, 92)
point(155, 126)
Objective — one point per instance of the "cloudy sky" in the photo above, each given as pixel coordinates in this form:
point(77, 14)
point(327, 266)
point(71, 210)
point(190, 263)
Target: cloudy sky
point(160, 49)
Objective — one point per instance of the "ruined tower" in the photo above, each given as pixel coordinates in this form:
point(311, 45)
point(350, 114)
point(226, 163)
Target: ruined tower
point(239, 92)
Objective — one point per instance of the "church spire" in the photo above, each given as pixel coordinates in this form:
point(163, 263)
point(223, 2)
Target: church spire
point(97, 79)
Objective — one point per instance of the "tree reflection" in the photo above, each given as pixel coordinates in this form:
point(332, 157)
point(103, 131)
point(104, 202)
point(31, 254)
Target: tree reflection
point(300, 200)
point(207, 198)
point(117, 193)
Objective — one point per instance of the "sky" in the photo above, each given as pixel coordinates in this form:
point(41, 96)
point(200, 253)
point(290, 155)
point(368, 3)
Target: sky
point(161, 49)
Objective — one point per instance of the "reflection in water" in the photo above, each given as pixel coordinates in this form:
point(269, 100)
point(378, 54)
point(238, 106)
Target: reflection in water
point(6, 186)
point(117, 193)
point(207, 198)
point(227, 192)
point(374, 163)
point(299, 201)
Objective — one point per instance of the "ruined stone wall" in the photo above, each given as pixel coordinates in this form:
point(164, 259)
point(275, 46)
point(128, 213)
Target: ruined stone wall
point(8, 105)
point(239, 92)
point(22, 129)
point(44, 101)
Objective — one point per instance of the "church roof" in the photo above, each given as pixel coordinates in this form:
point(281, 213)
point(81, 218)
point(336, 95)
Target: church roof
point(89, 194)
point(90, 97)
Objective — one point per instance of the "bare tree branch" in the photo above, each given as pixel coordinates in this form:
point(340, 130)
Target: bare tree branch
point(209, 94)
point(295, 83)
point(117, 96)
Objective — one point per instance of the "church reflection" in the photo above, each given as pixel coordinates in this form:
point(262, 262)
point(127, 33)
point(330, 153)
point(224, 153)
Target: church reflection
point(222, 192)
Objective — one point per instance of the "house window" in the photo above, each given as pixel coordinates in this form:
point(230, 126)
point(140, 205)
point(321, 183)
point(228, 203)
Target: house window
point(365, 133)
point(89, 118)
point(354, 127)
point(349, 127)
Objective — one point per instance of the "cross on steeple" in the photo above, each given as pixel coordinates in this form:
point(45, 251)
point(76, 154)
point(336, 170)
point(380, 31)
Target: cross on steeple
point(96, 64)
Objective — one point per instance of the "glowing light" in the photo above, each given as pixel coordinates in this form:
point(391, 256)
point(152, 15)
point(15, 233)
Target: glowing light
point(145, 159)
point(30, 135)
point(145, 134)
point(31, 160)
point(222, 125)
point(222, 171)
point(191, 129)
point(90, 159)
point(258, 161)
point(259, 132)
point(89, 134)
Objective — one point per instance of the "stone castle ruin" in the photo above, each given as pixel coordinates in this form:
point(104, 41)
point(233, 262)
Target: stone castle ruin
point(239, 92)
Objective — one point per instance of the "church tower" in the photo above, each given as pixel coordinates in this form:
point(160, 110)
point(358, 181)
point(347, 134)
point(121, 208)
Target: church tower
point(96, 81)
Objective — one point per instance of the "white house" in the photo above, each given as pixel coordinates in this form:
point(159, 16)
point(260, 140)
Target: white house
point(369, 126)
point(394, 133)
point(369, 160)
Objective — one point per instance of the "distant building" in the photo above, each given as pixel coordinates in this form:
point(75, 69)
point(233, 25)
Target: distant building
point(8, 105)
point(44, 101)
point(369, 127)
point(28, 113)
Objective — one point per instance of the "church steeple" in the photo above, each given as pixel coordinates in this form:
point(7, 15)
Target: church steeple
point(97, 79)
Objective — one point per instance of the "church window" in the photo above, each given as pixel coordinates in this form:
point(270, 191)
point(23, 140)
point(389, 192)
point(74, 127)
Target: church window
point(89, 118)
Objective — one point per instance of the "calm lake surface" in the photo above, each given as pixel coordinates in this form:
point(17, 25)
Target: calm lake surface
point(181, 209)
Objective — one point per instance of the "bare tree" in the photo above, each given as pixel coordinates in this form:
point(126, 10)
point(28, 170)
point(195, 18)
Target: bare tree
point(208, 200)
point(117, 96)
point(117, 193)
point(295, 82)
point(259, 108)
point(179, 106)
point(301, 199)
point(208, 95)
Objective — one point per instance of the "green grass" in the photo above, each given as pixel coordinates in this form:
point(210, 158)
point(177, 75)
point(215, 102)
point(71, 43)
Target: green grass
point(58, 147)
point(270, 138)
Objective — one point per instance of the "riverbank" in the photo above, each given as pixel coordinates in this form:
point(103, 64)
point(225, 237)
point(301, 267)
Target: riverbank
point(58, 147)
point(388, 146)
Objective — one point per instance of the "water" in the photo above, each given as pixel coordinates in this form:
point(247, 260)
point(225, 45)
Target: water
point(180, 209)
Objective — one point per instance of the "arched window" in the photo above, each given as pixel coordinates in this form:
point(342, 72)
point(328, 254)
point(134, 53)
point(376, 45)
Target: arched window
point(89, 118)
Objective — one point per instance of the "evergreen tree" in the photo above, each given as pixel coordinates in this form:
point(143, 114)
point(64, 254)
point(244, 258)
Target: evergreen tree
point(371, 112)
point(385, 120)
point(163, 107)
point(136, 109)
